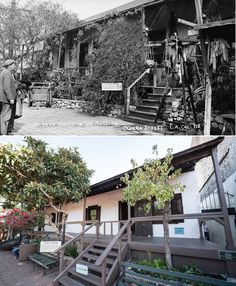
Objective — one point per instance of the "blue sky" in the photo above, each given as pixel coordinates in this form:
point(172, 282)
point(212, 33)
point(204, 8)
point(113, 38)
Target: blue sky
point(111, 155)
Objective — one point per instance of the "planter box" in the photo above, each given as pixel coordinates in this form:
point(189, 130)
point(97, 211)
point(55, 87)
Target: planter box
point(26, 249)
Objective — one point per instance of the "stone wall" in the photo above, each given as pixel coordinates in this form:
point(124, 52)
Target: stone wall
point(83, 106)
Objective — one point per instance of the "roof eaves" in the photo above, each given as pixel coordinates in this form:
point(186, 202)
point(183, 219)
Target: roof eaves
point(189, 157)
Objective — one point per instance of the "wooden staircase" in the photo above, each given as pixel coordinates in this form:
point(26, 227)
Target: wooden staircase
point(88, 258)
point(152, 108)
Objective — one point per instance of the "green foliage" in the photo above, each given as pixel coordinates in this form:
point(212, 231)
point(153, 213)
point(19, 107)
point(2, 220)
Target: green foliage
point(155, 180)
point(36, 175)
point(156, 263)
point(160, 264)
point(119, 57)
point(71, 250)
point(30, 23)
point(63, 85)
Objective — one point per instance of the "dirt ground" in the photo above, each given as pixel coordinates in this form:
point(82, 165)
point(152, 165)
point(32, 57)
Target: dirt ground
point(16, 273)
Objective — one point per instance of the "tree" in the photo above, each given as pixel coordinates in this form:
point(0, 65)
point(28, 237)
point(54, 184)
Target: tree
point(155, 180)
point(34, 21)
point(36, 176)
point(118, 56)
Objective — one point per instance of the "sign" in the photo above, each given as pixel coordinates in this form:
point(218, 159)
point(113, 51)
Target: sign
point(179, 230)
point(82, 269)
point(112, 86)
point(193, 33)
point(49, 246)
point(38, 46)
point(227, 255)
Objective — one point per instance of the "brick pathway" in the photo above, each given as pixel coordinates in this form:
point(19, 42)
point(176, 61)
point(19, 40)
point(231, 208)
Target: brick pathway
point(52, 121)
point(16, 273)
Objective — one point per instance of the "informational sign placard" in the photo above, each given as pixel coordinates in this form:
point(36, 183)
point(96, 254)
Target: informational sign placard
point(227, 255)
point(179, 230)
point(49, 246)
point(82, 269)
point(117, 86)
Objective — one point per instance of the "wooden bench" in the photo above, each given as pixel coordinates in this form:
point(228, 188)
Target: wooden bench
point(43, 260)
point(45, 257)
point(149, 276)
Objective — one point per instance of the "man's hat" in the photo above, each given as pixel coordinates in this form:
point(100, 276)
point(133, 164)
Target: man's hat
point(8, 63)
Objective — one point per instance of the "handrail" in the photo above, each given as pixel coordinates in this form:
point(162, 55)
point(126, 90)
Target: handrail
point(162, 101)
point(179, 216)
point(127, 103)
point(73, 262)
point(101, 258)
point(182, 276)
point(76, 237)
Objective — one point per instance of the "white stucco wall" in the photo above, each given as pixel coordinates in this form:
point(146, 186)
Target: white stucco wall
point(110, 210)
point(191, 204)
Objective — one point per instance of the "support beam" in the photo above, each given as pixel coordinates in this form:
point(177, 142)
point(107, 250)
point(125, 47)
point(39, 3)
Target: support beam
point(208, 94)
point(222, 200)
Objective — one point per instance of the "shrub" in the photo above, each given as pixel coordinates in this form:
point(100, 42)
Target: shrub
point(120, 57)
point(71, 250)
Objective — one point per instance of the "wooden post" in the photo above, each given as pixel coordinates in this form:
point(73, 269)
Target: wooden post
point(104, 266)
point(129, 226)
point(183, 89)
point(190, 93)
point(208, 94)
point(222, 200)
point(155, 75)
point(208, 100)
point(61, 266)
point(83, 225)
point(127, 100)
point(119, 251)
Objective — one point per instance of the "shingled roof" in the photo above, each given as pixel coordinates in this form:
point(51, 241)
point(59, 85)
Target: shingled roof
point(120, 9)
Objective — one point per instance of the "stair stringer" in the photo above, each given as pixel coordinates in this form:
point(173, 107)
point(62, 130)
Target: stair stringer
point(115, 270)
point(65, 271)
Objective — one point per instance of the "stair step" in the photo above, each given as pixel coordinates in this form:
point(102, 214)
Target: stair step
point(151, 101)
point(143, 114)
point(147, 108)
point(157, 94)
point(93, 267)
point(90, 278)
point(67, 281)
point(95, 257)
point(104, 244)
point(99, 251)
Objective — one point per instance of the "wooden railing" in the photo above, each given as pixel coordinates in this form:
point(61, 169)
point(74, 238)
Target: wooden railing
point(153, 276)
point(101, 261)
point(128, 90)
point(61, 249)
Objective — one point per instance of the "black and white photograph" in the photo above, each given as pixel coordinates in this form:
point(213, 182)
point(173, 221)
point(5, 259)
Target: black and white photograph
point(134, 68)
point(117, 143)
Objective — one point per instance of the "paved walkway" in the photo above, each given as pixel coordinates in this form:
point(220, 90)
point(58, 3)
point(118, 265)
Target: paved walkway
point(53, 121)
point(16, 273)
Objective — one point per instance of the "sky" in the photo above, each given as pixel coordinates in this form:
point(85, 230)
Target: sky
point(84, 8)
point(111, 155)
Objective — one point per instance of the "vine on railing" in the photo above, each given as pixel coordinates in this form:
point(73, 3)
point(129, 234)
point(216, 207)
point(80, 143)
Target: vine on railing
point(128, 90)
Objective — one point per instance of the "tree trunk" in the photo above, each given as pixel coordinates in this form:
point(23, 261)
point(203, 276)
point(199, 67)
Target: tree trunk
point(10, 232)
point(167, 236)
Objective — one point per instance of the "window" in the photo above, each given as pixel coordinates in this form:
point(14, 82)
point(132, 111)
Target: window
point(176, 208)
point(93, 213)
point(56, 217)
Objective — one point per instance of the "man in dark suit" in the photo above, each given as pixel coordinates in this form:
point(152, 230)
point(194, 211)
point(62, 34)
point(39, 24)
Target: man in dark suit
point(7, 94)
